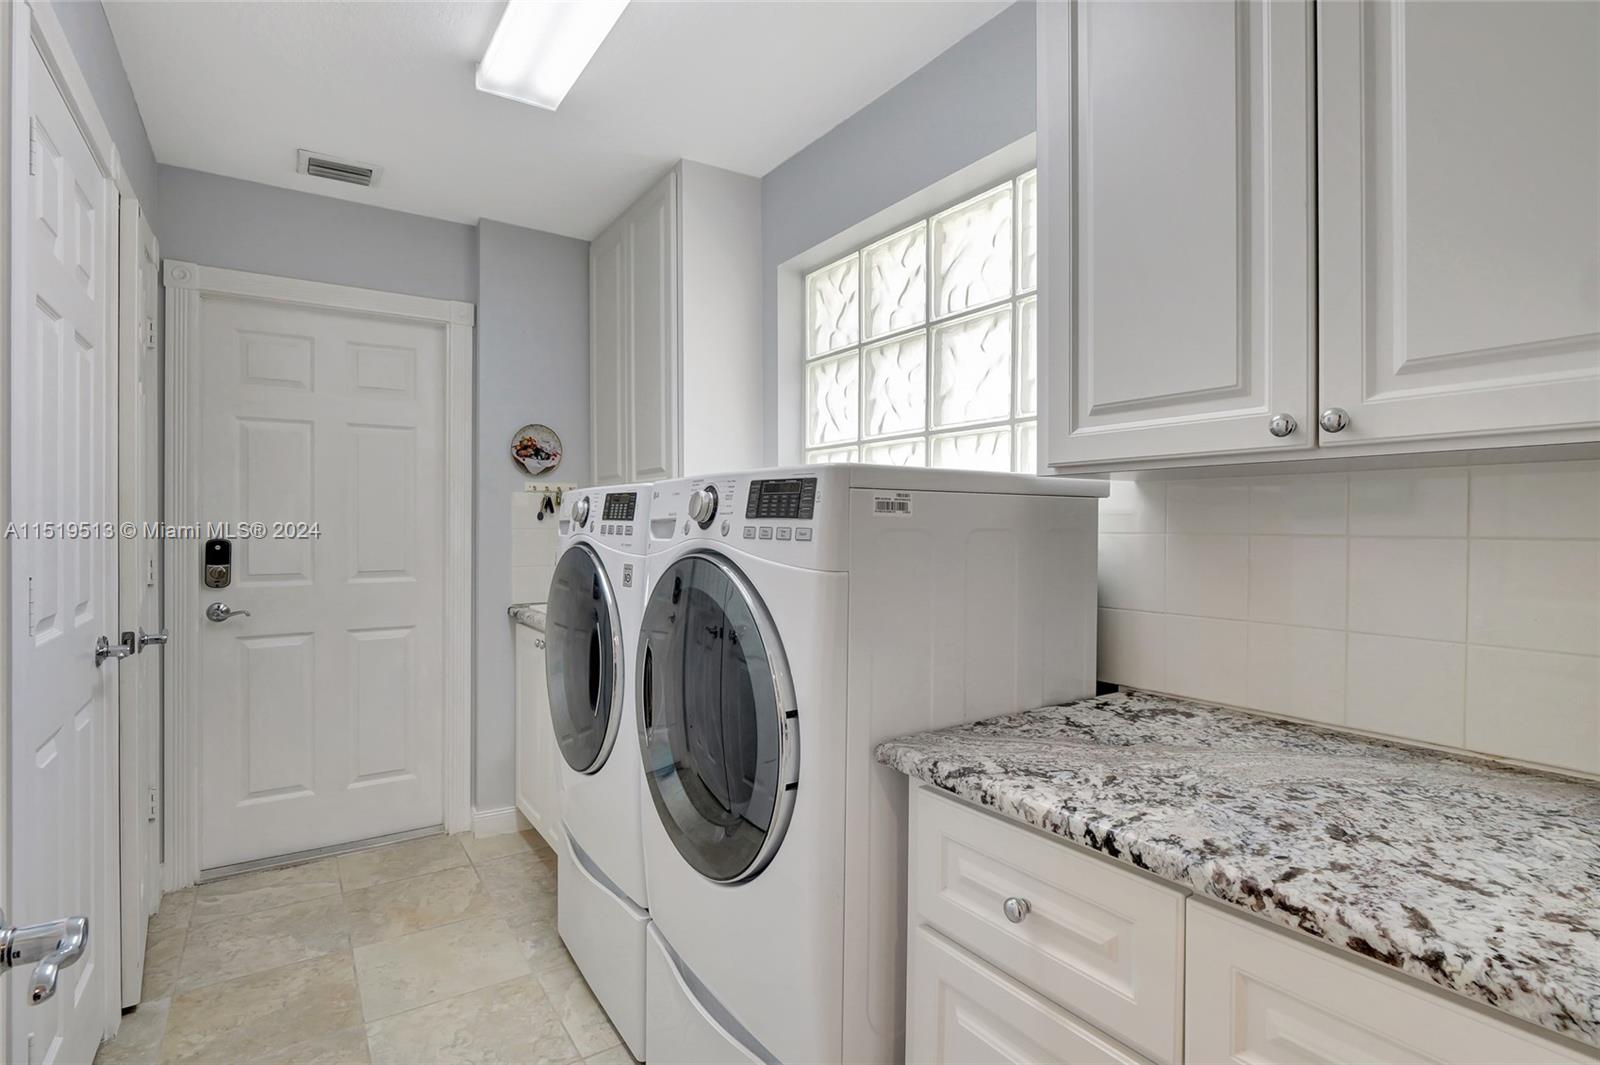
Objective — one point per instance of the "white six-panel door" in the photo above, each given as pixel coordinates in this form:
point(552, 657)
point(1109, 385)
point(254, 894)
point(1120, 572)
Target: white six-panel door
point(1459, 158)
point(64, 595)
point(321, 713)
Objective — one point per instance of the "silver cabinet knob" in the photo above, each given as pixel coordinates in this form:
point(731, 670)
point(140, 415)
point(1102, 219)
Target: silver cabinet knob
point(1334, 420)
point(1016, 909)
point(222, 612)
point(1282, 425)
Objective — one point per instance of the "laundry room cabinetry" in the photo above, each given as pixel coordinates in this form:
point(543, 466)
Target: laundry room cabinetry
point(1282, 230)
point(675, 330)
point(1023, 946)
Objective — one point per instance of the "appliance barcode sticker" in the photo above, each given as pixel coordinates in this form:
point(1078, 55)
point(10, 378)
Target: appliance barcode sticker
point(898, 504)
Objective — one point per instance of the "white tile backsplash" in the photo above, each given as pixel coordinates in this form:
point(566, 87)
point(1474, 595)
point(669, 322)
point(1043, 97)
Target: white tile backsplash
point(1408, 688)
point(1208, 575)
point(1408, 587)
point(1409, 503)
point(1559, 499)
point(1542, 595)
point(1456, 606)
point(1298, 580)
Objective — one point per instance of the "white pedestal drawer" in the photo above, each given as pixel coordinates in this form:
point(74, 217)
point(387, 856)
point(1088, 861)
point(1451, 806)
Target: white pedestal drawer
point(964, 1012)
point(1104, 943)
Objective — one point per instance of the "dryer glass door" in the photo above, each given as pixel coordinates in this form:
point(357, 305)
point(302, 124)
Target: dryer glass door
point(717, 718)
point(583, 667)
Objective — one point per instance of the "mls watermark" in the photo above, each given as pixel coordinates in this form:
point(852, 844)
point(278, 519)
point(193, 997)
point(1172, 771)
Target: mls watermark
point(159, 530)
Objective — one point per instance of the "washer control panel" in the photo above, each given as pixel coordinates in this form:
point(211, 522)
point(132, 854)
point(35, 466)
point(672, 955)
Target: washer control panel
point(619, 506)
point(782, 499)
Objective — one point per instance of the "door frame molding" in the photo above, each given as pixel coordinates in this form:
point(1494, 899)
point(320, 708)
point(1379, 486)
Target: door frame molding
point(188, 285)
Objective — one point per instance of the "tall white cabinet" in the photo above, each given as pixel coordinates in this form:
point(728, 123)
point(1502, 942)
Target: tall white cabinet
point(675, 330)
point(1273, 230)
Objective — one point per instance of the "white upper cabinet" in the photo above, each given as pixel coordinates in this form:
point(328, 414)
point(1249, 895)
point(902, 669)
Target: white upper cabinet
point(653, 319)
point(1454, 219)
point(1459, 170)
point(608, 350)
point(1176, 205)
point(675, 330)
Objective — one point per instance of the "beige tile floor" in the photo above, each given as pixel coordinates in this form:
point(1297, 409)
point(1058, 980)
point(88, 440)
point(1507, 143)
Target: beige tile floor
point(437, 950)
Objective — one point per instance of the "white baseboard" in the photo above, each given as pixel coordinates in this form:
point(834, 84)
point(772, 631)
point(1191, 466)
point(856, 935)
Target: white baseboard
point(496, 822)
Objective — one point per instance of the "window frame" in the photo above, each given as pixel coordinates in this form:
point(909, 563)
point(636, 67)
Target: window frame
point(1018, 421)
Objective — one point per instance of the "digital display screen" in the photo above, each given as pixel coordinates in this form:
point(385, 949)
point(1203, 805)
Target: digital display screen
point(619, 506)
point(788, 499)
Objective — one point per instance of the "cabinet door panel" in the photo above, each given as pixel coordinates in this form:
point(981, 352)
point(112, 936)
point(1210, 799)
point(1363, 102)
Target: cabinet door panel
point(653, 321)
point(608, 346)
point(1460, 226)
point(1175, 160)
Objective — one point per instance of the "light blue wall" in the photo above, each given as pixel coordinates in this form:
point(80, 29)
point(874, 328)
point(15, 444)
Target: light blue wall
point(89, 34)
point(971, 101)
point(533, 366)
point(243, 225)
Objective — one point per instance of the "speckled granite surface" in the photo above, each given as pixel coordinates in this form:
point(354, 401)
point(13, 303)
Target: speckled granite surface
point(529, 614)
point(1480, 879)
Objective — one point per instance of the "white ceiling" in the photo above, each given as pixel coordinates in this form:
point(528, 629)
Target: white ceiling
point(238, 88)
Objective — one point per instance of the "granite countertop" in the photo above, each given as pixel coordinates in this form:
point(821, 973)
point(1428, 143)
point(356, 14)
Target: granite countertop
point(1478, 878)
point(529, 614)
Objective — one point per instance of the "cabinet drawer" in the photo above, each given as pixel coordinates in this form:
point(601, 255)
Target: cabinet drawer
point(1256, 995)
point(1106, 944)
point(962, 1012)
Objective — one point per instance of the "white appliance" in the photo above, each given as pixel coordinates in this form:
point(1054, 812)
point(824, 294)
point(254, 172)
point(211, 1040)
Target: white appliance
point(591, 623)
point(794, 619)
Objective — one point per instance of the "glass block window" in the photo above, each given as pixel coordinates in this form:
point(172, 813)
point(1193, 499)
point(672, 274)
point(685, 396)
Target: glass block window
point(922, 347)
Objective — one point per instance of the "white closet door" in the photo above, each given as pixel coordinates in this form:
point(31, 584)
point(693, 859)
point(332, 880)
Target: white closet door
point(652, 227)
point(1460, 225)
point(608, 348)
point(1175, 204)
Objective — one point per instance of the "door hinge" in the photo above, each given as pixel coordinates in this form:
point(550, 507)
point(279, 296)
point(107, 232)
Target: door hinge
point(149, 325)
point(153, 805)
point(30, 606)
point(33, 147)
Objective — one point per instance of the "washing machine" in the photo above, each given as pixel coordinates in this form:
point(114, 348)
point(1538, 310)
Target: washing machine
point(591, 626)
point(793, 620)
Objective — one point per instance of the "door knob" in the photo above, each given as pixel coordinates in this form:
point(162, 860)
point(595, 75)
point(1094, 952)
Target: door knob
point(1334, 420)
point(148, 638)
point(52, 946)
point(1282, 425)
point(104, 649)
point(221, 612)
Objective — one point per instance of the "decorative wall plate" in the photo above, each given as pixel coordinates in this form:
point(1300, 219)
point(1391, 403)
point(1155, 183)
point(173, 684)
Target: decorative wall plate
point(536, 448)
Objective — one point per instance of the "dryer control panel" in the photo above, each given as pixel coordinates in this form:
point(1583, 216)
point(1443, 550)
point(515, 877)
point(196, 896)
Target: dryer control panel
point(782, 499)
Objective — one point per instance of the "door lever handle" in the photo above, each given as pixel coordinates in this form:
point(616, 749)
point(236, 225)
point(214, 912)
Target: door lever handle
point(104, 649)
point(52, 946)
point(221, 612)
point(158, 638)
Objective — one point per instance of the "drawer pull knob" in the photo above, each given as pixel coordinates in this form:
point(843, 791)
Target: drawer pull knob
point(1016, 909)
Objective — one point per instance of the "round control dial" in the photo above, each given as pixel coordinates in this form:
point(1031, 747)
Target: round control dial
point(580, 512)
point(703, 505)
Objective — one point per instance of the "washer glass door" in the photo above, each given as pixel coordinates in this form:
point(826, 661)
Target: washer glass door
point(716, 718)
point(583, 667)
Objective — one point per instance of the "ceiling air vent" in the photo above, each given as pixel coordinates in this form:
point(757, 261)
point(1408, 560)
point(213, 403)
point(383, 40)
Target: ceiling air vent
point(326, 166)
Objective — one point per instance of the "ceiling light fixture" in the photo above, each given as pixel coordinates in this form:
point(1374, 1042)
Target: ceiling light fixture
point(541, 47)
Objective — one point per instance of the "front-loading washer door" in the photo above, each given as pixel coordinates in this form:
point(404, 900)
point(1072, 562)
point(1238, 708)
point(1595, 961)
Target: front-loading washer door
point(583, 663)
point(716, 718)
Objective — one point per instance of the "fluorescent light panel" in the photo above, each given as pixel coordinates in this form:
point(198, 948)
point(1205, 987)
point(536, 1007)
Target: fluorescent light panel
point(541, 47)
